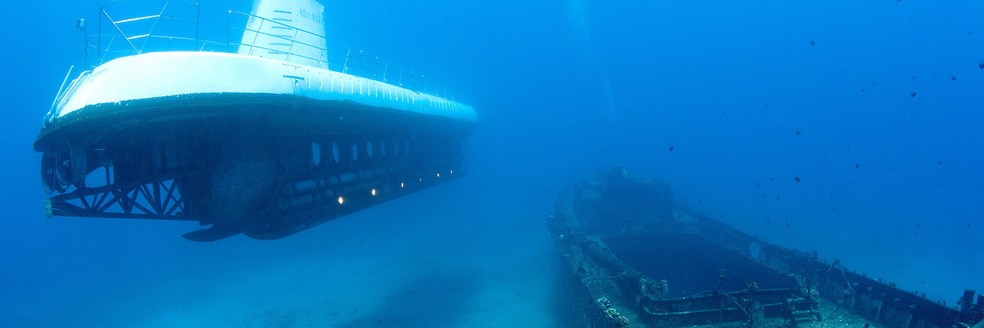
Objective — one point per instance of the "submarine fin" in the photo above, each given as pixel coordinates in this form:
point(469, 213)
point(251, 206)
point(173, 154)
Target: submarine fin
point(287, 30)
point(213, 233)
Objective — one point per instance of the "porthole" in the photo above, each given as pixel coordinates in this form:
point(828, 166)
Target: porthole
point(315, 153)
point(335, 154)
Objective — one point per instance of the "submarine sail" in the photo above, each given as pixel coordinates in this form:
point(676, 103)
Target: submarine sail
point(261, 139)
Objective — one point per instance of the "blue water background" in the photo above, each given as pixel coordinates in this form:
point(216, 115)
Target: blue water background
point(890, 182)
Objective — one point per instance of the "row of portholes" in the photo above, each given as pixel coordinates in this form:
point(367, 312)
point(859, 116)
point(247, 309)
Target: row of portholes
point(381, 149)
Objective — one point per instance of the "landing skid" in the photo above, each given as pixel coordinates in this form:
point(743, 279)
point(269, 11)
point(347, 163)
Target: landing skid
point(213, 233)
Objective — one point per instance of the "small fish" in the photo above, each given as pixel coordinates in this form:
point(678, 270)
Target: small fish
point(913, 94)
point(787, 222)
point(953, 77)
point(798, 132)
point(857, 166)
point(813, 42)
point(798, 179)
point(670, 149)
point(940, 162)
point(980, 64)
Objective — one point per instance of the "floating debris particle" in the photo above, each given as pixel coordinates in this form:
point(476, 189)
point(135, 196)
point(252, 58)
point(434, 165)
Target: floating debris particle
point(798, 132)
point(912, 93)
point(953, 77)
point(813, 42)
point(939, 162)
point(980, 64)
point(857, 166)
point(797, 178)
point(671, 148)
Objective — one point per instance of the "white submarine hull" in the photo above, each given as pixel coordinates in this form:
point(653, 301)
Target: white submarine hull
point(171, 74)
point(241, 142)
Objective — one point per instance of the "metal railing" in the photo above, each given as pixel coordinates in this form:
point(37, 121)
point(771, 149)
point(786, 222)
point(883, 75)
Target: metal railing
point(152, 31)
point(175, 27)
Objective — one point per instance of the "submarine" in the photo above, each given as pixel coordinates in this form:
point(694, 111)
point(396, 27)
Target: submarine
point(257, 137)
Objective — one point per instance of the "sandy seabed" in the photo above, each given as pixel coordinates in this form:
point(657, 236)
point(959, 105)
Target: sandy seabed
point(406, 263)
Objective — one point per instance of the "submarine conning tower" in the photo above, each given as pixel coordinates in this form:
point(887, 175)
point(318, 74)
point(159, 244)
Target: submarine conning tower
point(261, 139)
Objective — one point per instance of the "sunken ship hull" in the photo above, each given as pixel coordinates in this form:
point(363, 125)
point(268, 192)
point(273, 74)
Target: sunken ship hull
point(265, 142)
point(635, 259)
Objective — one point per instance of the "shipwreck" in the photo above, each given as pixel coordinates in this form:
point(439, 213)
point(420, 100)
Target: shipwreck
point(634, 258)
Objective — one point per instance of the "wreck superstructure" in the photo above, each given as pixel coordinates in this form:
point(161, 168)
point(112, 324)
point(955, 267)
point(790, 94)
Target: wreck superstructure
point(262, 138)
point(637, 259)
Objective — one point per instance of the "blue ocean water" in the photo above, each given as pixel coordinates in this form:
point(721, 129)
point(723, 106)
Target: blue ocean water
point(876, 107)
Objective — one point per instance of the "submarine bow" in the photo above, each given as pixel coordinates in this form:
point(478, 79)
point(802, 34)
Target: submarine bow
point(264, 140)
